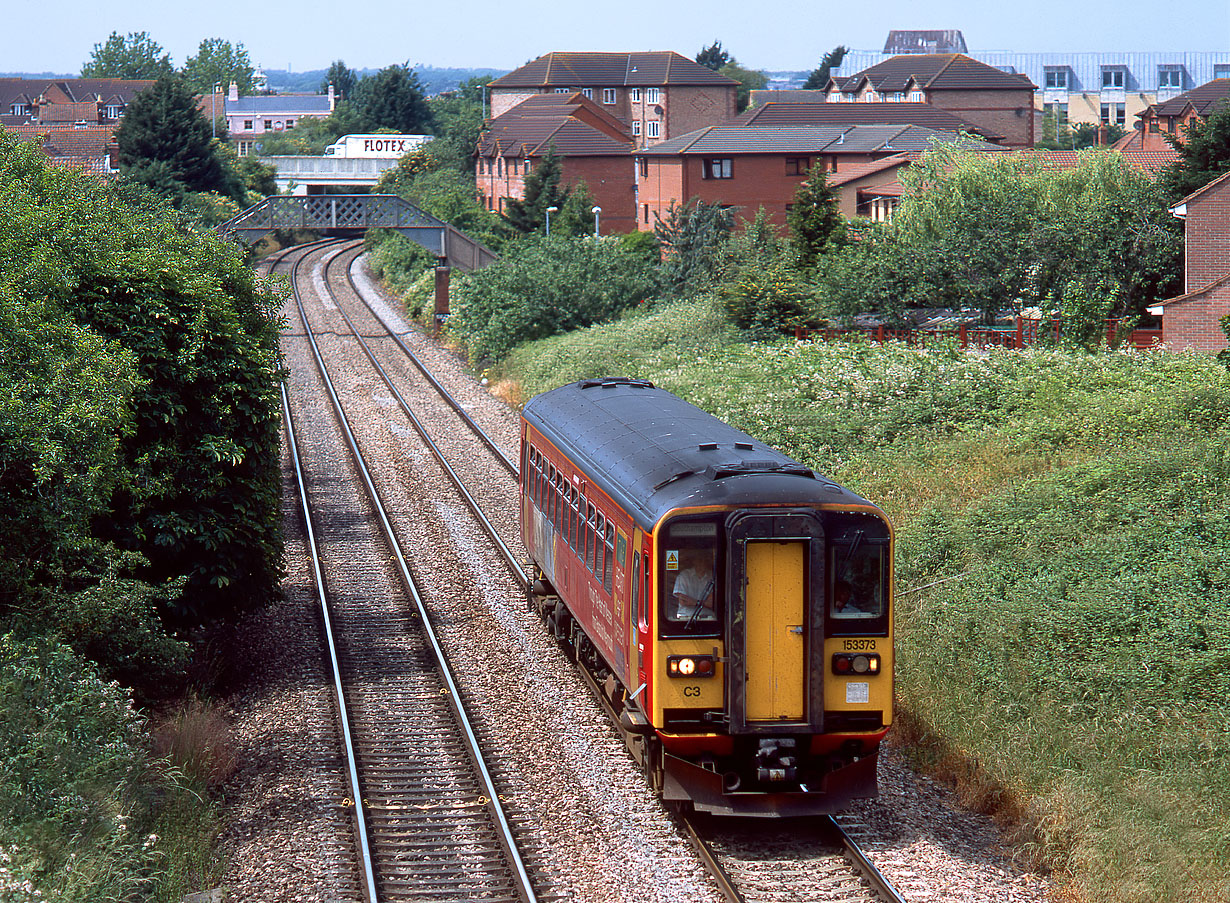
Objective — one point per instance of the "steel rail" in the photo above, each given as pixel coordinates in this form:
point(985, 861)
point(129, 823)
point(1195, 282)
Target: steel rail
point(865, 866)
point(365, 852)
point(525, 887)
point(508, 464)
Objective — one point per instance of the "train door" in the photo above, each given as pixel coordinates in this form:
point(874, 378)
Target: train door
point(775, 642)
point(775, 621)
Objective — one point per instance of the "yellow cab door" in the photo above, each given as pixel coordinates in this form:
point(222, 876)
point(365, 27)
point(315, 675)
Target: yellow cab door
point(776, 586)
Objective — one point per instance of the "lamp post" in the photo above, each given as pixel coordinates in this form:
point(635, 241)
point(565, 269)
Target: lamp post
point(550, 210)
point(595, 210)
point(213, 104)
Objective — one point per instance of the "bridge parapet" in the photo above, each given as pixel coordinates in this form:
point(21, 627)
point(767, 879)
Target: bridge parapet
point(353, 214)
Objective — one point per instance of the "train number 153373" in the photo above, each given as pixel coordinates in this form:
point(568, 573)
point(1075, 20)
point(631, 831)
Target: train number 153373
point(858, 645)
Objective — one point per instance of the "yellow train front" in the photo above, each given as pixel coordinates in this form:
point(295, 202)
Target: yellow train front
point(733, 608)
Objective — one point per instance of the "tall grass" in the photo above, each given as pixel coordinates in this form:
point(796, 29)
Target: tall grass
point(1063, 569)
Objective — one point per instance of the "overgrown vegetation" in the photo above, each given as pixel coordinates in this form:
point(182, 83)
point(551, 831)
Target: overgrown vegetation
point(139, 473)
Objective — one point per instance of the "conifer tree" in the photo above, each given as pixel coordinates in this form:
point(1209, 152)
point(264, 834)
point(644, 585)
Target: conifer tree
point(1204, 152)
point(815, 220)
point(542, 190)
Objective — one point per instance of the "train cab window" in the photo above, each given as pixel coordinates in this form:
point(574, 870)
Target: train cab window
point(691, 593)
point(858, 581)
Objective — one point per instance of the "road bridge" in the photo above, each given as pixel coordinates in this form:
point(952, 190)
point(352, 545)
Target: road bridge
point(300, 175)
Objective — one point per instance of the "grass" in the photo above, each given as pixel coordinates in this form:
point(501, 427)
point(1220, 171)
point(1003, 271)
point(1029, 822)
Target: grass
point(1063, 564)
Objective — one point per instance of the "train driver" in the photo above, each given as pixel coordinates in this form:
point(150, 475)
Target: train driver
point(693, 589)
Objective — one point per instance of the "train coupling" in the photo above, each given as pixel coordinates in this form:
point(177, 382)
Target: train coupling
point(777, 760)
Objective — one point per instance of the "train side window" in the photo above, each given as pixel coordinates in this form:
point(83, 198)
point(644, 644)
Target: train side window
point(556, 495)
point(589, 537)
point(608, 571)
point(572, 518)
point(551, 489)
point(599, 547)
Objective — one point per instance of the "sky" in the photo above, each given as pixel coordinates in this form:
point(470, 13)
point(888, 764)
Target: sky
point(504, 34)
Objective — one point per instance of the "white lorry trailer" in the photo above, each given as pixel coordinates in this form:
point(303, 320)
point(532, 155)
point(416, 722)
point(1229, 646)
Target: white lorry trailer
point(377, 146)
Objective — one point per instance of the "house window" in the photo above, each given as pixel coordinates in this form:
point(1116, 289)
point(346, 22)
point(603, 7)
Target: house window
point(797, 166)
point(561, 90)
point(290, 124)
point(608, 95)
point(653, 95)
point(512, 166)
point(21, 109)
point(643, 165)
point(1221, 70)
point(113, 111)
point(653, 129)
point(1169, 77)
point(247, 125)
point(898, 96)
point(716, 168)
point(588, 92)
point(243, 148)
point(1112, 114)
point(1112, 77)
point(1056, 77)
point(636, 127)
point(268, 124)
point(871, 96)
point(1059, 111)
point(634, 95)
point(645, 211)
point(528, 166)
point(835, 97)
point(916, 97)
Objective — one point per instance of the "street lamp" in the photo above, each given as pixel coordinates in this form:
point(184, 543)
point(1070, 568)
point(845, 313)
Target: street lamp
point(595, 210)
point(213, 104)
point(550, 210)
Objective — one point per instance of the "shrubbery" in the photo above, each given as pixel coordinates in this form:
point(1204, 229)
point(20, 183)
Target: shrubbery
point(549, 286)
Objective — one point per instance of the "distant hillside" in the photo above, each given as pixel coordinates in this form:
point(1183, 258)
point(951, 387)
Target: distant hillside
point(433, 80)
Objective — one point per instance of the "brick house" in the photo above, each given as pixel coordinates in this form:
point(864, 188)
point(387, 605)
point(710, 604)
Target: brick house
point(250, 118)
point(656, 94)
point(593, 145)
point(1191, 322)
point(753, 167)
point(1160, 120)
point(992, 99)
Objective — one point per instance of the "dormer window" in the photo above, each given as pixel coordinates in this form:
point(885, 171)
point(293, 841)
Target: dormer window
point(1113, 77)
point(1169, 77)
point(1057, 77)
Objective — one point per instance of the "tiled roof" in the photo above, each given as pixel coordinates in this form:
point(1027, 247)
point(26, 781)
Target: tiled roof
point(1149, 161)
point(857, 139)
point(74, 90)
point(936, 72)
point(862, 170)
point(591, 69)
point(572, 122)
point(819, 113)
point(280, 104)
point(82, 148)
point(1203, 100)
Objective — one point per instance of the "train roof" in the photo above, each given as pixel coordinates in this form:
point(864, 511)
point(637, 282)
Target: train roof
point(652, 451)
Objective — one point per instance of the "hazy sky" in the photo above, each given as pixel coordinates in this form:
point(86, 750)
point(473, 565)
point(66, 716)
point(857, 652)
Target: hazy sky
point(59, 36)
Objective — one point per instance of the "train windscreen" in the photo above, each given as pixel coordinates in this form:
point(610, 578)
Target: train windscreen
point(691, 585)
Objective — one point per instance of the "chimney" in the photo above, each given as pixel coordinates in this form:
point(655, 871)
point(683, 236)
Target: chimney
point(233, 94)
point(1103, 135)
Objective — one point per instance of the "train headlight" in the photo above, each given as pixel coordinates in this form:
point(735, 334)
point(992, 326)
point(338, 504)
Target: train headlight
point(690, 666)
point(856, 663)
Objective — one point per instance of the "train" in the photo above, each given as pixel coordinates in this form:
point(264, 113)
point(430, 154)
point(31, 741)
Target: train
point(732, 608)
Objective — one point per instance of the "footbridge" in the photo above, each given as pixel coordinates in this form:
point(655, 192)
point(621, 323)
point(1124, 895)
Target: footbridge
point(353, 214)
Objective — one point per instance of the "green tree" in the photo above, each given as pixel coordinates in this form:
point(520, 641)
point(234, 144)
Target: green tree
point(392, 99)
point(1204, 154)
point(713, 57)
point(134, 56)
point(818, 79)
point(458, 117)
point(815, 220)
point(343, 79)
point(749, 80)
point(692, 237)
point(217, 62)
point(542, 190)
point(165, 143)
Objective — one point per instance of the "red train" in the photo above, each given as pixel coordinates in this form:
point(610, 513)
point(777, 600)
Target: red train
point(732, 607)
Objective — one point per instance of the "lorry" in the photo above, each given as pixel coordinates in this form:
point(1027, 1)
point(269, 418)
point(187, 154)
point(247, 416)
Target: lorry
point(377, 146)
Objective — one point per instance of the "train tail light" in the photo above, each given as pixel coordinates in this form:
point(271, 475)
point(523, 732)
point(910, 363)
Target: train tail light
point(691, 666)
point(862, 663)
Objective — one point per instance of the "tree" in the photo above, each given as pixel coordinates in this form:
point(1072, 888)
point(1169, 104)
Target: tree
point(819, 77)
point(343, 80)
point(218, 63)
point(1204, 154)
point(815, 220)
point(542, 190)
point(393, 99)
point(749, 80)
point(713, 57)
point(135, 56)
point(692, 237)
point(458, 118)
point(165, 143)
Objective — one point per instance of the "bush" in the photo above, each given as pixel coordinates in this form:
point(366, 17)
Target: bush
point(543, 286)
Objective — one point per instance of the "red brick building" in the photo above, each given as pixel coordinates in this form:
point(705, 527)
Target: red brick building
point(594, 147)
point(1170, 117)
point(1191, 322)
point(656, 94)
point(996, 101)
point(753, 167)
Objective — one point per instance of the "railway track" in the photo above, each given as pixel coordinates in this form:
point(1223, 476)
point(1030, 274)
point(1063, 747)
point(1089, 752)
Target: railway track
point(819, 863)
point(428, 824)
